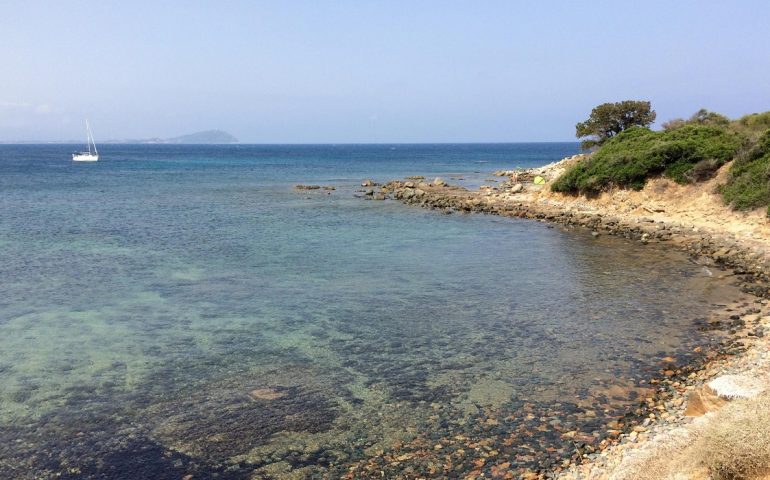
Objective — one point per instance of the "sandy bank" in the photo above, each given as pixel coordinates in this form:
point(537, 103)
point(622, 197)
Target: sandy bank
point(688, 428)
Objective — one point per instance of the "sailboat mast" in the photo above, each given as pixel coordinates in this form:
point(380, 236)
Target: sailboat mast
point(90, 139)
point(96, 152)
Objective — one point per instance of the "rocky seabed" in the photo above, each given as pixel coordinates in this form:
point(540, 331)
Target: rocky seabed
point(680, 392)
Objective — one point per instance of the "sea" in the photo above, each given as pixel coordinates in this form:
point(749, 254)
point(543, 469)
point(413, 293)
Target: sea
point(183, 312)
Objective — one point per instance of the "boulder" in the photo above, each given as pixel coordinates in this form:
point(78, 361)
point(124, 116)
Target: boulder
point(439, 182)
point(517, 188)
point(736, 386)
point(716, 393)
point(703, 401)
point(368, 183)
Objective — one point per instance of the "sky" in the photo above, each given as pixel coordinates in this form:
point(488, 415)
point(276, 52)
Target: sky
point(364, 71)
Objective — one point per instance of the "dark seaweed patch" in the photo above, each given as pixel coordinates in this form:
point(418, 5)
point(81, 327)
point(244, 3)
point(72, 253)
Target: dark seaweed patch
point(98, 450)
point(223, 420)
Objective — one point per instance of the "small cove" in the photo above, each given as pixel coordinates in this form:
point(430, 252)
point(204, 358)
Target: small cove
point(148, 300)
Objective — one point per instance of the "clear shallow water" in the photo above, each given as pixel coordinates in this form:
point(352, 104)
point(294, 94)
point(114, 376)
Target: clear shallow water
point(176, 310)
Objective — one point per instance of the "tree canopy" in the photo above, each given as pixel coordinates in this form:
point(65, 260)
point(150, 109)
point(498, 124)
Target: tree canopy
point(609, 119)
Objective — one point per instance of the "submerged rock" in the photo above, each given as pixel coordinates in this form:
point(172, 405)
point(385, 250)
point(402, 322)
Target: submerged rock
point(232, 417)
point(266, 393)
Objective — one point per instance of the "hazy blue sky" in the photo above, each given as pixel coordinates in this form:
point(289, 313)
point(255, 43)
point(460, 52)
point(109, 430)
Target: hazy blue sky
point(370, 71)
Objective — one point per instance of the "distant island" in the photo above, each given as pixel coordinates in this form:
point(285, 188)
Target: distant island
point(204, 137)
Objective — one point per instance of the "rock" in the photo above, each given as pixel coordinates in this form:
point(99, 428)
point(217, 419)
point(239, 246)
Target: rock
point(368, 183)
point(517, 188)
point(735, 386)
point(439, 182)
point(307, 187)
point(594, 234)
point(409, 184)
point(266, 394)
point(702, 401)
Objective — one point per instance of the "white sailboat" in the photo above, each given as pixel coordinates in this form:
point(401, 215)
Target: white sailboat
point(90, 155)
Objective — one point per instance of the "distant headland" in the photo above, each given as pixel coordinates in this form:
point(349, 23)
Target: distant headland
point(204, 137)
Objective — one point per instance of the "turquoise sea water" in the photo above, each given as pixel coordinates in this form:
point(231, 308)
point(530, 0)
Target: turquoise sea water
point(175, 310)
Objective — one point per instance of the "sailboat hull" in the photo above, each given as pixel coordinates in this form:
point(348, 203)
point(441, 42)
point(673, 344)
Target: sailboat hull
point(84, 157)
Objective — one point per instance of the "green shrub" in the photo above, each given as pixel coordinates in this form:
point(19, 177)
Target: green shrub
point(758, 122)
point(701, 117)
point(748, 185)
point(631, 157)
point(705, 117)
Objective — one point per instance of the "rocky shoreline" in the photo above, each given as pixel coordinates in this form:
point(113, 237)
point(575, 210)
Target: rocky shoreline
point(678, 393)
point(709, 249)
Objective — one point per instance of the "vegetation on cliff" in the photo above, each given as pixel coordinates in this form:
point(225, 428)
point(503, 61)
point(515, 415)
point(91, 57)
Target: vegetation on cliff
point(689, 153)
point(748, 184)
point(686, 151)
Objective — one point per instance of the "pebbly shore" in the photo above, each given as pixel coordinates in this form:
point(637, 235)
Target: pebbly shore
point(665, 415)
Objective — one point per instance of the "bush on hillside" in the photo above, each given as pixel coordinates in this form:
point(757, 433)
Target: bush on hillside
point(690, 153)
point(752, 125)
point(706, 117)
point(701, 117)
point(748, 185)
